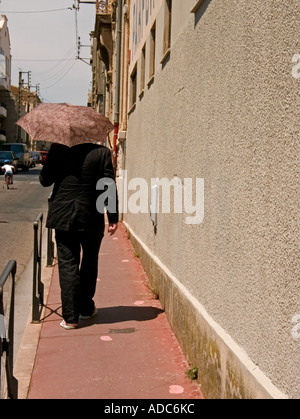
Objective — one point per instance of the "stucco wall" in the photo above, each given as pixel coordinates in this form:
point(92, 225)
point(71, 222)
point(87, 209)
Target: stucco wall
point(225, 108)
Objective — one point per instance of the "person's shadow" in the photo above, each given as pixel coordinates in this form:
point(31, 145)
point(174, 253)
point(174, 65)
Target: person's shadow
point(111, 315)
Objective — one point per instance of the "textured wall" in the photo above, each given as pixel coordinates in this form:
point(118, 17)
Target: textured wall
point(225, 108)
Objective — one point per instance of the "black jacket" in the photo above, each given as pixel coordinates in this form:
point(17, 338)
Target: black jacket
point(75, 172)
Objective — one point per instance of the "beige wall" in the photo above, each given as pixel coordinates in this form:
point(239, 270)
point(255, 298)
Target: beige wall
point(6, 122)
point(225, 107)
point(6, 56)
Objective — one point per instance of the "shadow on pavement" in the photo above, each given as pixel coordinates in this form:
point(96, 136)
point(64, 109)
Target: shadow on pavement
point(110, 315)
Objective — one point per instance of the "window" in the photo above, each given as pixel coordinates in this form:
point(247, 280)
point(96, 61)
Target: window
point(152, 51)
point(167, 26)
point(143, 68)
point(197, 5)
point(133, 88)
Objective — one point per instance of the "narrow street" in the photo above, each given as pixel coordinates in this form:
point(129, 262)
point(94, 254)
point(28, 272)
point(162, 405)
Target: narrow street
point(18, 209)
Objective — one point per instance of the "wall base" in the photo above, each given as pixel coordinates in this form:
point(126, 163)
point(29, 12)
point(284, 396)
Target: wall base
point(224, 369)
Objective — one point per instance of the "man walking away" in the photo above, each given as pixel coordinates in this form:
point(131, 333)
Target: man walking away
point(79, 227)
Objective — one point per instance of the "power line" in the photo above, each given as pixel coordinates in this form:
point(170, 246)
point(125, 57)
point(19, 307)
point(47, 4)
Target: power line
point(57, 73)
point(38, 11)
point(59, 64)
point(63, 75)
point(43, 99)
point(59, 59)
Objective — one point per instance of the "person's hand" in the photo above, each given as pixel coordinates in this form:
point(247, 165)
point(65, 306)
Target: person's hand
point(112, 228)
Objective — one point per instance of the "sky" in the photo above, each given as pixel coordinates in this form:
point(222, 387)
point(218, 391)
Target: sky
point(43, 41)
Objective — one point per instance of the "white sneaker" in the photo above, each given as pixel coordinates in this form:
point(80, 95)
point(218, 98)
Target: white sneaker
point(89, 317)
point(68, 326)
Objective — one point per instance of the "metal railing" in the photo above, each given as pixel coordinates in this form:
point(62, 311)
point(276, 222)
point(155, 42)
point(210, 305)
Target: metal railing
point(103, 7)
point(8, 383)
point(38, 286)
point(50, 243)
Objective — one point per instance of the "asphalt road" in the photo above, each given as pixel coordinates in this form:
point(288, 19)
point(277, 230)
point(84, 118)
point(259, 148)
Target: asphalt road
point(18, 209)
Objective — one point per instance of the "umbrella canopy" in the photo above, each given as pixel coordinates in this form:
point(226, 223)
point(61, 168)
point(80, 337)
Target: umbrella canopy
point(65, 124)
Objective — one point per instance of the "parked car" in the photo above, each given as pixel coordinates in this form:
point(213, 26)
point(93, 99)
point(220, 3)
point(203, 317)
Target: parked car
point(44, 156)
point(21, 151)
point(35, 158)
point(10, 156)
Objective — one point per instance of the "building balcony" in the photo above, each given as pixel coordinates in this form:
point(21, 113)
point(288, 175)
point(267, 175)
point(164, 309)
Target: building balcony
point(4, 83)
point(3, 111)
point(105, 17)
point(103, 7)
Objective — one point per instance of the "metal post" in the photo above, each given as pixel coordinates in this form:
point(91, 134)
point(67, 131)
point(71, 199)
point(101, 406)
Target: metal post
point(19, 104)
point(50, 243)
point(38, 286)
point(7, 333)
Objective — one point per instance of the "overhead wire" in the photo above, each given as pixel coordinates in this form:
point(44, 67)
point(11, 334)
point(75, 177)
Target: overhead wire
point(36, 11)
point(63, 65)
point(60, 64)
point(69, 68)
point(62, 76)
point(64, 58)
point(51, 60)
point(66, 69)
point(44, 99)
point(57, 73)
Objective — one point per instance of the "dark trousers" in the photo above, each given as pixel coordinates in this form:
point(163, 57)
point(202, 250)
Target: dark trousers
point(77, 254)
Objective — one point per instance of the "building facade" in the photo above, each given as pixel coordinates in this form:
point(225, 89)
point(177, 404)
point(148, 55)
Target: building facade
point(5, 76)
point(15, 101)
point(22, 101)
point(110, 51)
point(210, 123)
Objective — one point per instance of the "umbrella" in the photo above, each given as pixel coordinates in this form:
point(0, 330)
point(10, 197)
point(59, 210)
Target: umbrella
point(65, 124)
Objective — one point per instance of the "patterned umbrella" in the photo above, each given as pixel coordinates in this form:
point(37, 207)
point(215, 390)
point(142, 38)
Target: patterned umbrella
point(65, 124)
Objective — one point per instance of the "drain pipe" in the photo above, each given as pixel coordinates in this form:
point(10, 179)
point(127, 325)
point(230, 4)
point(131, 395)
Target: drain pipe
point(118, 82)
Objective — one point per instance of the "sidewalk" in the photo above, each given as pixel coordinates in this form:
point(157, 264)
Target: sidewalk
point(127, 352)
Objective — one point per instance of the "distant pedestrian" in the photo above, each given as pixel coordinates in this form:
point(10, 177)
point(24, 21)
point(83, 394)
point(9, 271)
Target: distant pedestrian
point(9, 171)
point(79, 227)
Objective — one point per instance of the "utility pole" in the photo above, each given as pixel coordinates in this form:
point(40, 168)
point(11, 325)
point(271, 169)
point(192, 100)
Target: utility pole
point(19, 104)
point(21, 88)
point(78, 41)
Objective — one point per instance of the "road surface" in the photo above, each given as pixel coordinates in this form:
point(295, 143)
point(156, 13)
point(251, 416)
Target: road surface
point(18, 210)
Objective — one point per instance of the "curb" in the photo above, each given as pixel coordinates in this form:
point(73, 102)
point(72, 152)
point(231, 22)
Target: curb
point(25, 357)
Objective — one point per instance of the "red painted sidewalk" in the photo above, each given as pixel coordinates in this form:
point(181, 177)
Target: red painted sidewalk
point(127, 352)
